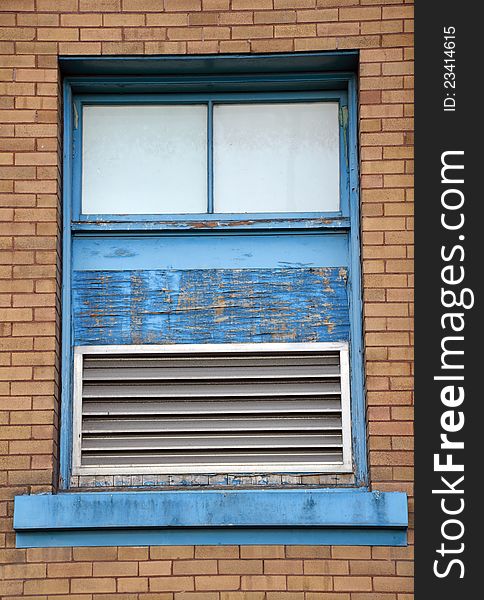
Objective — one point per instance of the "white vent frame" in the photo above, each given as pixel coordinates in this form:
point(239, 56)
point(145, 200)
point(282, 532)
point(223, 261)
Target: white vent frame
point(346, 466)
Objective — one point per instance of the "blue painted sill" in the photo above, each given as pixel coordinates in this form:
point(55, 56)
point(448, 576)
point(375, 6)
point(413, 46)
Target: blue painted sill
point(212, 517)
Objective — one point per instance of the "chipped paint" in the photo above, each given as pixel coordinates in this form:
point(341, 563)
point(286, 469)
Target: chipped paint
point(116, 222)
point(210, 306)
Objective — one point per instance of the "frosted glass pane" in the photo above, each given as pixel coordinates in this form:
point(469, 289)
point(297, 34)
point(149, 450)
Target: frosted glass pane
point(276, 157)
point(144, 159)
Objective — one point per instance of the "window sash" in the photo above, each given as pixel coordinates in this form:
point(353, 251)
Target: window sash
point(80, 101)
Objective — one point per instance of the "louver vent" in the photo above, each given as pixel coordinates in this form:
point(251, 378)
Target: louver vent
point(221, 408)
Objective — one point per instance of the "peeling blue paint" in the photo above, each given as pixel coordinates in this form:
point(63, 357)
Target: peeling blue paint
point(210, 306)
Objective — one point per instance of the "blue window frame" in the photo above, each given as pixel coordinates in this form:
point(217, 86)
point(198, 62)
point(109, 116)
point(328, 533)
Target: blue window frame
point(324, 228)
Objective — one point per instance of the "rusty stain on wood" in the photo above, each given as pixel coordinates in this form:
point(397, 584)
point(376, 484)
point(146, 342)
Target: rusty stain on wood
point(205, 224)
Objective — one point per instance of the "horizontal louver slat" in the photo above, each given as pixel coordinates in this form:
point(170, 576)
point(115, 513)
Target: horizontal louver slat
point(288, 359)
point(205, 390)
point(224, 410)
point(142, 443)
point(216, 461)
point(274, 422)
point(123, 373)
point(188, 406)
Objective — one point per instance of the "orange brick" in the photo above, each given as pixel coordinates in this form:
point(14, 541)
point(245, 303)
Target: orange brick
point(252, 31)
point(115, 569)
point(58, 34)
point(240, 567)
point(326, 567)
point(94, 554)
point(156, 567)
point(93, 585)
point(147, 5)
point(293, 3)
point(281, 45)
point(309, 583)
point(252, 552)
point(241, 596)
point(251, 4)
point(286, 596)
point(82, 20)
point(171, 584)
point(216, 552)
point(132, 584)
point(105, 34)
point(62, 569)
point(216, 4)
point(46, 586)
point(49, 555)
point(133, 553)
point(195, 567)
point(329, 596)
point(398, 12)
point(263, 582)
point(283, 567)
point(275, 16)
point(171, 552)
point(103, 5)
point(202, 18)
point(393, 584)
point(353, 584)
point(403, 39)
point(18, 5)
point(11, 587)
point(381, 27)
point(317, 16)
point(79, 48)
point(181, 5)
point(349, 552)
point(217, 582)
point(25, 571)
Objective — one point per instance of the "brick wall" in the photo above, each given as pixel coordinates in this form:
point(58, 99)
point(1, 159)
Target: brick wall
point(32, 34)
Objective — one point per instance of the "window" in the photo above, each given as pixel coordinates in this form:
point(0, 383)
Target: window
point(210, 158)
point(212, 281)
point(144, 159)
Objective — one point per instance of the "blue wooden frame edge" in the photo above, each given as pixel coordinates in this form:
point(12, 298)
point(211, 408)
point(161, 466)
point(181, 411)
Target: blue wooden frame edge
point(249, 536)
point(155, 65)
point(65, 435)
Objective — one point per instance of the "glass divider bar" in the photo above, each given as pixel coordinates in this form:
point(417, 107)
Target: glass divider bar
point(210, 207)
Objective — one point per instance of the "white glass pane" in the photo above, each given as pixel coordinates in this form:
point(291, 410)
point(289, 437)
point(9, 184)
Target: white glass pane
point(276, 157)
point(144, 159)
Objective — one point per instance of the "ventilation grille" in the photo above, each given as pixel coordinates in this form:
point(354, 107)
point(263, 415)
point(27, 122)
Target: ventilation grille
point(212, 408)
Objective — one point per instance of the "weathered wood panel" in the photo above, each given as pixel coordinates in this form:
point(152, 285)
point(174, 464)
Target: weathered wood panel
point(210, 306)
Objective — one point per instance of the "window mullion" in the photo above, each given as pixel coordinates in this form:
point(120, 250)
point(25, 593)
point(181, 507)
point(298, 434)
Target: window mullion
point(210, 157)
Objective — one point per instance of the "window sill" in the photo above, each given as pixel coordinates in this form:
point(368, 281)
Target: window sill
point(319, 517)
